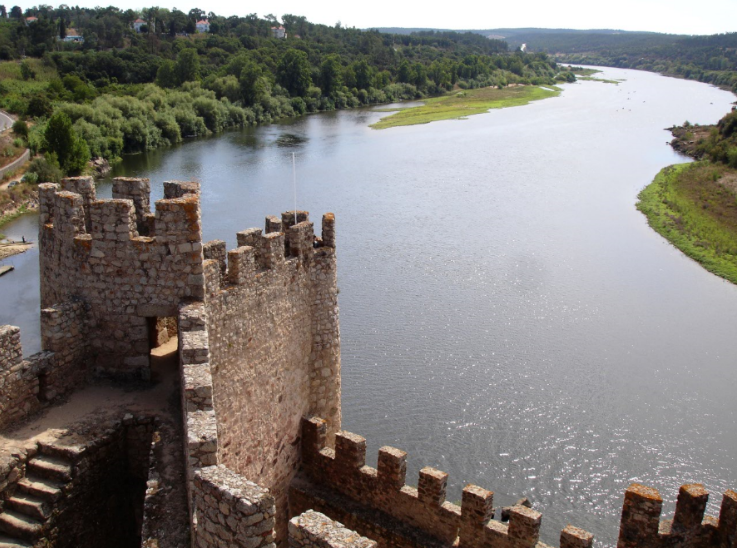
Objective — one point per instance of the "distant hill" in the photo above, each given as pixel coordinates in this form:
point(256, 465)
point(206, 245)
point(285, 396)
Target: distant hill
point(711, 59)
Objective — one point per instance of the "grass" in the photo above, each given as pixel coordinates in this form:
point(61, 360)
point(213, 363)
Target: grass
point(603, 80)
point(694, 206)
point(461, 104)
point(580, 71)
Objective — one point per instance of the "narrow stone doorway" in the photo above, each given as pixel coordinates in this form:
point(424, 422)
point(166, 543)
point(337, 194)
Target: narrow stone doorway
point(164, 348)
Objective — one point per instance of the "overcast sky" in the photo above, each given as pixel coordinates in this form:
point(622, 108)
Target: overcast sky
point(671, 16)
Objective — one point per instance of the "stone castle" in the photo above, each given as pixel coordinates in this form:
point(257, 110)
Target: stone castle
point(232, 437)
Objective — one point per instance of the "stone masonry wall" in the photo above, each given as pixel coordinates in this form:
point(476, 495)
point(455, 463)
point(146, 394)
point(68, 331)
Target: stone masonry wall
point(231, 511)
point(198, 412)
point(315, 530)
point(92, 250)
point(28, 384)
point(274, 347)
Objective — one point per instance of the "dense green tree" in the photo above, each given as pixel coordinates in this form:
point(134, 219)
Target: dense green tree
point(294, 72)
point(187, 68)
point(364, 73)
point(166, 75)
point(3, 12)
point(331, 74)
point(253, 84)
point(61, 140)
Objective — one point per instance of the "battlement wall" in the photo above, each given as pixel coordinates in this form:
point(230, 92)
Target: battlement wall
point(367, 499)
point(274, 346)
point(641, 524)
point(94, 251)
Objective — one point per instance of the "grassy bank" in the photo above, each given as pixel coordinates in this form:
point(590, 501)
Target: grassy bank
point(694, 206)
point(461, 104)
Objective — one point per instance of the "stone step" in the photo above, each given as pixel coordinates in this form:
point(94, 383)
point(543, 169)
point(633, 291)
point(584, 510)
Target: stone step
point(19, 526)
point(43, 488)
point(8, 542)
point(29, 505)
point(69, 453)
point(50, 467)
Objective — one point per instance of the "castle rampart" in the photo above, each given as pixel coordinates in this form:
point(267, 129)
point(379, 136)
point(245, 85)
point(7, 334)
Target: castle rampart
point(258, 350)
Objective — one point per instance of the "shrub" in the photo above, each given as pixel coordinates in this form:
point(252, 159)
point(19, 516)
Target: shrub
point(20, 128)
point(45, 169)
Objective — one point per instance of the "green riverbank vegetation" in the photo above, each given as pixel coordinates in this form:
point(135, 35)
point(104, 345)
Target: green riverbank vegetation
point(460, 104)
point(132, 81)
point(694, 206)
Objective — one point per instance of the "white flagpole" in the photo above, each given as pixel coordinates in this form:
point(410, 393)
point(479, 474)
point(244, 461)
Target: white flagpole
point(294, 183)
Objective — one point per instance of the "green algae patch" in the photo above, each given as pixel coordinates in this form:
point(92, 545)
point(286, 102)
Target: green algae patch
point(461, 104)
point(694, 207)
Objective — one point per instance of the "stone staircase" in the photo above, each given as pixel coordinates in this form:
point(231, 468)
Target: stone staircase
point(27, 511)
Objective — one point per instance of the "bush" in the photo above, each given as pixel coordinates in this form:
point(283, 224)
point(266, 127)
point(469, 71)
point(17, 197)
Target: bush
point(30, 177)
point(45, 169)
point(20, 128)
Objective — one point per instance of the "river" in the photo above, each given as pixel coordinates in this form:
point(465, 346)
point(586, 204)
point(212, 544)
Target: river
point(507, 314)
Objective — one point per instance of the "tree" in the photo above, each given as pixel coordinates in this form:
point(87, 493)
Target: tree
point(364, 74)
point(61, 140)
point(331, 78)
point(253, 84)
point(293, 72)
point(62, 28)
point(165, 76)
point(26, 72)
point(3, 12)
point(16, 13)
point(187, 68)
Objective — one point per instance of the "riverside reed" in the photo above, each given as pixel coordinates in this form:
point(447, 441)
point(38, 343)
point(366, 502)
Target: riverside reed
point(465, 103)
point(694, 206)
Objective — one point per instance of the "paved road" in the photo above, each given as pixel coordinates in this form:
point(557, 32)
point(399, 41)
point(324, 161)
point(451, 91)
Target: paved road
point(5, 121)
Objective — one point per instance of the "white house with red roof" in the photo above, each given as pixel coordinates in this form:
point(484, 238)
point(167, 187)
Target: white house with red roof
point(203, 25)
point(279, 32)
point(137, 24)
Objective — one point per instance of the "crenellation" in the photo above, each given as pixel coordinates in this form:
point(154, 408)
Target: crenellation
point(69, 214)
point(241, 265)
point(137, 190)
point(350, 451)
point(271, 254)
point(432, 486)
point(46, 198)
point(179, 189)
point(727, 525)
point(573, 537)
point(328, 230)
point(391, 468)
point(85, 187)
point(640, 516)
point(301, 238)
point(272, 224)
point(690, 509)
point(112, 220)
point(288, 219)
point(524, 526)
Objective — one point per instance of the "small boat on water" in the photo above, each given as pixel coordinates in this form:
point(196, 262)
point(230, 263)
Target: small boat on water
point(6, 269)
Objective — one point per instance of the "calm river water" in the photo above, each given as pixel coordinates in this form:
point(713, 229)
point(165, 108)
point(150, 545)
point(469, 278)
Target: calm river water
point(507, 315)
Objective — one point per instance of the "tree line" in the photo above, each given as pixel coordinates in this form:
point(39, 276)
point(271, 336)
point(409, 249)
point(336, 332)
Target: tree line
point(127, 89)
